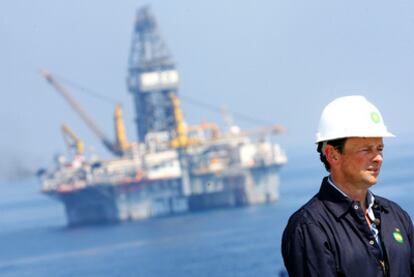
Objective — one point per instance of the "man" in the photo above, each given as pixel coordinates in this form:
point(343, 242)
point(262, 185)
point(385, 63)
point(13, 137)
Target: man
point(346, 230)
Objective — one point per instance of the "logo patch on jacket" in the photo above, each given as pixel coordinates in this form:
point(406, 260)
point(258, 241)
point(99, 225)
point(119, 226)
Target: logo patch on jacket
point(397, 236)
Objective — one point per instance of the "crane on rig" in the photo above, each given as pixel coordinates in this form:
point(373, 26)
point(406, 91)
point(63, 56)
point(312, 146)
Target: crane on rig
point(72, 140)
point(117, 148)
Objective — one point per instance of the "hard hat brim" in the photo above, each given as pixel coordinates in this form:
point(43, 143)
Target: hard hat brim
point(385, 134)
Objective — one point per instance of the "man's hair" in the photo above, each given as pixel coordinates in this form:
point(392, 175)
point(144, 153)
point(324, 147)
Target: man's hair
point(338, 144)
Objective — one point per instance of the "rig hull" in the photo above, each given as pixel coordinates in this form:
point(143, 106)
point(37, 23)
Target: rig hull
point(112, 202)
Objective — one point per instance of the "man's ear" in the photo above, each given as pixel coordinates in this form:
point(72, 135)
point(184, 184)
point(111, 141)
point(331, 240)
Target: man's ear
point(331, 154)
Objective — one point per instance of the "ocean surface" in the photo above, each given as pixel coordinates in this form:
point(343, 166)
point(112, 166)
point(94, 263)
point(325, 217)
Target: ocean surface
point(34, 239)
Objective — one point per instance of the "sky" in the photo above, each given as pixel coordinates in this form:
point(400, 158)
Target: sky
point(279, 62)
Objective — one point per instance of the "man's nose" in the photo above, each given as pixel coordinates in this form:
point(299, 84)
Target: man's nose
point(378, 157)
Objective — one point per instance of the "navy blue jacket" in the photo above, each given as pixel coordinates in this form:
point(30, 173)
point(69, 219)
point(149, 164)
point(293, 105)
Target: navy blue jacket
point(329, 236)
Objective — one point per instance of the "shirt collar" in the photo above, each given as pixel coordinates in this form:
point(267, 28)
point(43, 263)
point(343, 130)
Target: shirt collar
point(332, 183)
point(370, 204)
point(370, 196)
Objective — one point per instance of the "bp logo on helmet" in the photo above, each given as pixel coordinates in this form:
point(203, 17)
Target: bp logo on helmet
point(375, 117)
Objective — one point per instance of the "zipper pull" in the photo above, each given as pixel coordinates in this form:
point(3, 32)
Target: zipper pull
point(384, 269)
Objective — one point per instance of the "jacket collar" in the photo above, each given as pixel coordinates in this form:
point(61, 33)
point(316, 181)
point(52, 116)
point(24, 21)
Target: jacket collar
point(333, 199)
point(338, 203)
point(381, 203)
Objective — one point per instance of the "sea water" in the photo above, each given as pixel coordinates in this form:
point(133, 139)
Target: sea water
point(34, 239)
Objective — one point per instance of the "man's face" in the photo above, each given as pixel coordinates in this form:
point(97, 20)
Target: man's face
point(361, 161)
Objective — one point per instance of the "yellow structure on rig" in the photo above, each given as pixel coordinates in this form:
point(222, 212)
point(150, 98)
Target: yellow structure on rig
point(72, 140)
point(121, 139)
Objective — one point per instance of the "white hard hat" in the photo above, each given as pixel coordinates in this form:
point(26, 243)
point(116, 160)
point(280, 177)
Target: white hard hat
point(351, 116)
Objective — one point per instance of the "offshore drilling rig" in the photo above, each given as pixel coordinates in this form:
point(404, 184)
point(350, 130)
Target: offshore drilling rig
point(173, 167)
